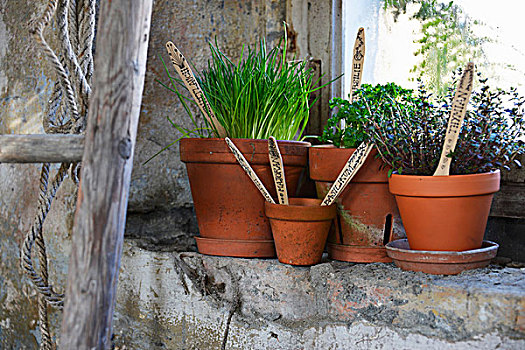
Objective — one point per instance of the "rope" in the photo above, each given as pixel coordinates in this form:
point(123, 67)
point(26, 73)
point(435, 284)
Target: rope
point(73, 24)
point(78, 77)
point(35, 236)
point(38, 32)
point(65, 113)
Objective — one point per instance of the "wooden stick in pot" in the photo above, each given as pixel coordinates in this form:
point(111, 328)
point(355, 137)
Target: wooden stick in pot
point(357, 159)
point(248, 169)
point(358, 59)
point(184, 70)
point(276, 163)
point(352, 166)
point(457, 115)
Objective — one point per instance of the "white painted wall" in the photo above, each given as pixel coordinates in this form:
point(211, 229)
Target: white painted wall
point(390, 44)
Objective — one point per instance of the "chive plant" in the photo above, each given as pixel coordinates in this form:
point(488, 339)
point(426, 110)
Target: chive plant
point(262, 95)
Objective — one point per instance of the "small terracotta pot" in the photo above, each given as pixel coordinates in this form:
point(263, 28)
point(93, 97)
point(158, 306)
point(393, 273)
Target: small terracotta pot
point(366, 210)
point(300, 229)
point(229, 208)
point(445, 213)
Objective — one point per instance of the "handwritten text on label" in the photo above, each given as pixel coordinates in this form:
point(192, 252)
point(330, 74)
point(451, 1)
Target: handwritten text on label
point(248, 169)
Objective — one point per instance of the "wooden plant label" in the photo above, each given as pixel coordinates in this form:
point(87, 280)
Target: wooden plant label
point(276, 163)
point(183, 69)
point(248, 169)
point(358, 59)
point(457, 115)
point(352, 166)
point(357, 62)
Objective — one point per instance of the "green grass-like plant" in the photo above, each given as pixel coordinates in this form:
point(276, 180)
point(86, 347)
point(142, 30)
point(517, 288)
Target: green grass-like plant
point(263, 95)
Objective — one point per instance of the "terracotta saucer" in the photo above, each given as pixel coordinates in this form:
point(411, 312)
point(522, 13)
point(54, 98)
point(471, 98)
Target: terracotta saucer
point(236, 248)
point(440, 262)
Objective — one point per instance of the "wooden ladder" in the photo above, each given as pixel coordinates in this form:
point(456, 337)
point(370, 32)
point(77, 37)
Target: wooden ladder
point(106, 153)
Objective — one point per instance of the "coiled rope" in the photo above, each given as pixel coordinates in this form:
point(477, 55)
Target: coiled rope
point(66, 113)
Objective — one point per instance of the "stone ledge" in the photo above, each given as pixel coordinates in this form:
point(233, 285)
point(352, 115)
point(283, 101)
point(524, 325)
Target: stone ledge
point(184, 300)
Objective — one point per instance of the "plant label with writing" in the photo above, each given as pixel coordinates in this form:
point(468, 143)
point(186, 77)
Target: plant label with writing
point(358, 59)
point(183, 69)
point(457, 115)
point(352, 166)
point(248, 169)
point(276, 163)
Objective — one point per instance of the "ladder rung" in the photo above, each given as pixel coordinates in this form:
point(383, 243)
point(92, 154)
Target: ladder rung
point(54, 148)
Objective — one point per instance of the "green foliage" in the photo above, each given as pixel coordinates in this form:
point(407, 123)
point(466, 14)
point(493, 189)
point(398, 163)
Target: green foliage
point(447, 41)
point(369, 100)
point(263, 95)
point(410, 137)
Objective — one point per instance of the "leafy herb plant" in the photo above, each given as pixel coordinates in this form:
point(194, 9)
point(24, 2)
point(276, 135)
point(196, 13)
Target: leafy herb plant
point(410, 136)
point(263, 95)
point(371, 99)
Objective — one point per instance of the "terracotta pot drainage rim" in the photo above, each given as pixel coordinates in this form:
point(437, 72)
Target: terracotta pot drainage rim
point(236, 248)
point(359, 254)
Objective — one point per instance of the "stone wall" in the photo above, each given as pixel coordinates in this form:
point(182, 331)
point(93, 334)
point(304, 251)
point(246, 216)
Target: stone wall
point(191, 301)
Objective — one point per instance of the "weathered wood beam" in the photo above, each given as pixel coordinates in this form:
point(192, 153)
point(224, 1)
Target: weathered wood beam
point(118, 81)
point(56, 148)
point(509, 202)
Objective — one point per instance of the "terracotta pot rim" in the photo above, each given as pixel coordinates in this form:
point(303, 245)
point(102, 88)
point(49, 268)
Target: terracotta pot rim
point(331, 146)
point(236, 247)
point(212, 140)
point(311, 210)
point(327, 161)
point(440, 262)
point(356, 246)
point(243, 241)
point(436, 178)
point(357, 253)
point(445, 186)
point(215, 150)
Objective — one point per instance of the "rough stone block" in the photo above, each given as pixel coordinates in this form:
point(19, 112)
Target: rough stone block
point(184, 300)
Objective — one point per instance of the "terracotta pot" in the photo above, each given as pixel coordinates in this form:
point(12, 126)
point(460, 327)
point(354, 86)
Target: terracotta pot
point(229, 208)
point(300, 229)
point(366, 209)
point(445, 213)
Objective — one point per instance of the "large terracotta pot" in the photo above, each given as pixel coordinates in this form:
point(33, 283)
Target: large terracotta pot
point(229, 208)
point(366, 209)
point(300, 229)
point(445, 213)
